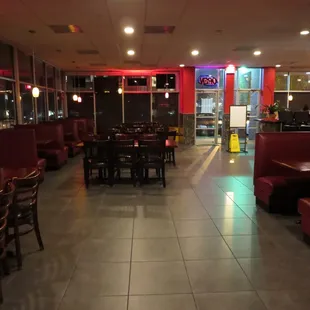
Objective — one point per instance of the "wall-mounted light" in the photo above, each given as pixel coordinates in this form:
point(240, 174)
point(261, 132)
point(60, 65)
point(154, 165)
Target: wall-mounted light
point(120, 90)
point(35, 92)
point(166, 95)
point(79, 99)
point(75, 97)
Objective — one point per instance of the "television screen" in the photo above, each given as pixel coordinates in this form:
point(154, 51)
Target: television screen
point(137, 82)
point(163, 79)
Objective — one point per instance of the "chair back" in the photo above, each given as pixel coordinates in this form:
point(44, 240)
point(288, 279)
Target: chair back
point(149, 137)
point(124, 137)
point(124, 151)
point(6, 199)
point(301, 117)
point(286, 117)
point(149, 149)
point(97, 149)
point(165, 135)
point(26, 191)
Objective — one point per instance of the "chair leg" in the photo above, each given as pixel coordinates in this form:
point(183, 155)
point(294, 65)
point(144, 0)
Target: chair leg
point(17, 246)
point(173, 157)
point(163, 174)
point(86, 173)
point(100, 173)
point(37, 230)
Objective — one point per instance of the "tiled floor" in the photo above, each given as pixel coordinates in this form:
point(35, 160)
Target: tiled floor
point(201, 243)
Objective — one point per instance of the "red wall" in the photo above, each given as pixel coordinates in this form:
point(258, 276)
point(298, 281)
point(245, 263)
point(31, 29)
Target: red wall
point(269, 83)
point(229, 92)
point(187, 90)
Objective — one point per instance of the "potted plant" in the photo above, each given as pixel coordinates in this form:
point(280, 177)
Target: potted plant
point(271, 110)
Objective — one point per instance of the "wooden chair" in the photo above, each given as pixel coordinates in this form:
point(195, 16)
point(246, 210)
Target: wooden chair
point(97, 155)
point(24, 211)
point(125, 157)
point(152, 156)
point(170, 152)
point(6, 199)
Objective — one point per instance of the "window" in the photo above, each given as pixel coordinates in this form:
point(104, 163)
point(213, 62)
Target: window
point(165, 111)
point(60, 104)
point(51, 105)
point(281, 81)
point(41, 106)
point(39, 72)
point(6, 60)
point(137, 107)
point(81, 109)
point(208, 78)
point(75, 83)
point(25, 67)
point(27, 104)
point(299, 81)
point(50, 76)
point(300, 100)
point(248, 78)
point(7, 104)
point(137, 83)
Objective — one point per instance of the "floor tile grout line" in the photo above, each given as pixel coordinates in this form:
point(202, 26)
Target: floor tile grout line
point(235, 258)
point(130, 263)
point(185, 267)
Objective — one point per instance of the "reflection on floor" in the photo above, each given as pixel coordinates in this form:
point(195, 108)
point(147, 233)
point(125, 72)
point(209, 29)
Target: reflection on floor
point(199, 244)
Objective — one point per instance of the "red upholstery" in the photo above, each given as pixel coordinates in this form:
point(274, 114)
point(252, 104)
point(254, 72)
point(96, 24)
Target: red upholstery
point(15, 143)
point(71, 135)
point(278, 188)
point(304, 210)
point(55, 152)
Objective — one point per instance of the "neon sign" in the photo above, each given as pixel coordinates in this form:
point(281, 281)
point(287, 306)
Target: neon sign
point(207, 80)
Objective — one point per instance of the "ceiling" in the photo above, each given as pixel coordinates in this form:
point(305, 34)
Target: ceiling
point(223, 31)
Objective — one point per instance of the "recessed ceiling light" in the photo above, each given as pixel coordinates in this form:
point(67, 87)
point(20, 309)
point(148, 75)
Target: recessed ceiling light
point(257, 53)
point(299, 80)
point(182, 65)
point(285, 74)
point(129, 30)
point(304, 32)
point(308, 81)
point(278, 66)
point(195, 52)
point(307, 72)
point(130, 52)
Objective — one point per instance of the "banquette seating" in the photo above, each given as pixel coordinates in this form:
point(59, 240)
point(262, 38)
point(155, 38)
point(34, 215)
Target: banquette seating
point(304, 210)
point(19, 154)
point(55, 152)
point(277, 189)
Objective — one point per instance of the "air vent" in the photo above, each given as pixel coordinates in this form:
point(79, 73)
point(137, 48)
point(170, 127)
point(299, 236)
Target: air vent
point(159, 29)
point(59, 29)
point(244, 48)
point(87, 52)
point(98, 64)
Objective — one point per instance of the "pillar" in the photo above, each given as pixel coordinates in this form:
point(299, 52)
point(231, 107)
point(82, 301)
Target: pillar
point(187, 104)
point(269, 83)
point(229, 93)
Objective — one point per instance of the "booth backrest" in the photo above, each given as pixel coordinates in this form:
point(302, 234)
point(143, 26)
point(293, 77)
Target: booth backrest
point(18, 148)
point(71, 126)
point(48, 131)
point(279, 145)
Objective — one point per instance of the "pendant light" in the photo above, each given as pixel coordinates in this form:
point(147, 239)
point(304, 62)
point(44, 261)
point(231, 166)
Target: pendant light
point(166, 86)
point(35, 89)
point(74, 97)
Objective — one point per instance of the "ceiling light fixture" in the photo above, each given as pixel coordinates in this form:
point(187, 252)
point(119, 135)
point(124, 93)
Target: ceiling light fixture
point(79, 99)
point(285, 74)
point(130, 52)
point(257, 53)
point(290, 98)
point(307, 72)
point(299, 80)
point(230, 69)
point(182, 65)
point(304, 32)
point(75, 97)
point(129, 30)
point(35, 92)
point(166, 95)
point(120, 90)
point(278, 66)
point(195, 52)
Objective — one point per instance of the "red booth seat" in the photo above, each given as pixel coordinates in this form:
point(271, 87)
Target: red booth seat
point(277, 189)
point(19, 153)
point(304, 210)
point(55, 152)
point(71, 136)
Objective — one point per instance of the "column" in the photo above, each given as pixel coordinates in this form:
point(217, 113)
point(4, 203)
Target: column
point(268, 87)
point(19, 111)
point(187, 104)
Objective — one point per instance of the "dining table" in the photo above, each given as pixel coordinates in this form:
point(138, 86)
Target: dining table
point(296, 165)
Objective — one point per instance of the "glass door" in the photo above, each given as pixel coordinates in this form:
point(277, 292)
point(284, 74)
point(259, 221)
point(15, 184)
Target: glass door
point(209, 110)
point(250, 98)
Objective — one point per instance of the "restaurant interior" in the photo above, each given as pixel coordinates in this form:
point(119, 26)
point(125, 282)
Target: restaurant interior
point(125, 183)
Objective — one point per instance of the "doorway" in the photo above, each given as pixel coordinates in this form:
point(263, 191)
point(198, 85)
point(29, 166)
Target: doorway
point(209, 114)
